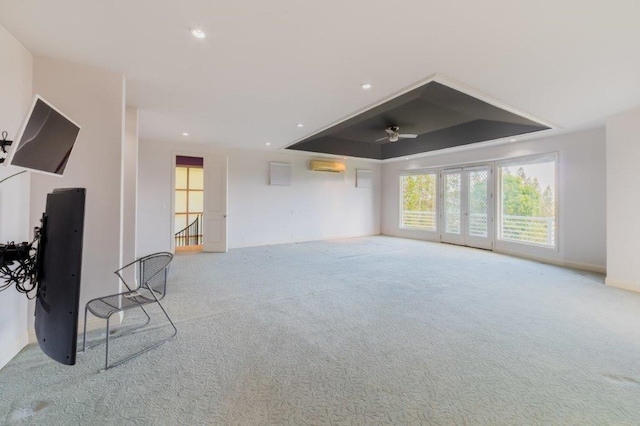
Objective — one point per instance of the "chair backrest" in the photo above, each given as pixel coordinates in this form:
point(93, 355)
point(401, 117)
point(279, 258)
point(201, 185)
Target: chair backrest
point(153, 272)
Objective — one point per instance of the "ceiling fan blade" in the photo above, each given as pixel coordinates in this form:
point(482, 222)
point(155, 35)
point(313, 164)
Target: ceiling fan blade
point(381, 139)
point(407, 136)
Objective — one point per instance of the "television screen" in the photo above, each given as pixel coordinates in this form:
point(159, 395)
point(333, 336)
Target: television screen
point(59, 269)
point(45, 140)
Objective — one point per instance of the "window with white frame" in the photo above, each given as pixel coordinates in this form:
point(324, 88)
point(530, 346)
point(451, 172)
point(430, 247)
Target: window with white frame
point(418, 202)
point(528, 199)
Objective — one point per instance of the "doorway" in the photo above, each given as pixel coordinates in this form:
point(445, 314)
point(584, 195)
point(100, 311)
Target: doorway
point(467, 210)
point(188, 204)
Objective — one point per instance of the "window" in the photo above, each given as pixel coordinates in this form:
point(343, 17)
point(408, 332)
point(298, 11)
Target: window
point(528, 201)
point(188, 196)
point(418, 201)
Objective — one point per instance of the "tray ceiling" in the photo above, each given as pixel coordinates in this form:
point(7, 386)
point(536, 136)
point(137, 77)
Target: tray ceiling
point(441, 116)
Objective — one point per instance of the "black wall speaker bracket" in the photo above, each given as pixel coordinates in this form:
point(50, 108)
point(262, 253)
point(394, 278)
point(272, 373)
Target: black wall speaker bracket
point(4, 143)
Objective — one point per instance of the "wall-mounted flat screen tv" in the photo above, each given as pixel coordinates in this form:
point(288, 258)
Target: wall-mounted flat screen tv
point(45, 140)
point(59, 274)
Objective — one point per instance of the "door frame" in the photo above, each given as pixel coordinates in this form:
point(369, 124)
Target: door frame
point(172, 196)
point(464, 238)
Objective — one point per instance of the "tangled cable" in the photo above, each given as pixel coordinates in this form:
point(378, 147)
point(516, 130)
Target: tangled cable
point(21, 270)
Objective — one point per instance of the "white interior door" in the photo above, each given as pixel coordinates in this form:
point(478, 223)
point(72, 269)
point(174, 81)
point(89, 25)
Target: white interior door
point(452, 207)
point(467, 213)
point(215, 205)
point(479, 207)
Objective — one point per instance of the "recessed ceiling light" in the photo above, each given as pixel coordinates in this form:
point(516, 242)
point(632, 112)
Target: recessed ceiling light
point(268, 144)
point(299, 125)
point(366, 86)
point(513, 140)
point(185, 134)
point(198, 33)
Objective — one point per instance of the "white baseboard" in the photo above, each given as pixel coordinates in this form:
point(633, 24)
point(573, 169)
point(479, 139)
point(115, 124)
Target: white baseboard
point(558, 262)
point(302, 240)
point(12, 349)
point(623, 284)
point(92, 324)
point(429, 236)
point(601, 269)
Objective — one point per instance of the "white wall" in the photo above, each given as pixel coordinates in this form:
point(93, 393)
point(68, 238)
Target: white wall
point(129, 187)
point(623, 200)
point(15, 99)
point(316, 206)
point(95, 100)
point(582, 194)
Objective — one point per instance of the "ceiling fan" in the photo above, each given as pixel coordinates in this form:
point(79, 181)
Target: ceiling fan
point(393, 134)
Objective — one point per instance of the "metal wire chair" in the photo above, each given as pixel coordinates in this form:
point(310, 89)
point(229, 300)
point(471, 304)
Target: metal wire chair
point(151, 288)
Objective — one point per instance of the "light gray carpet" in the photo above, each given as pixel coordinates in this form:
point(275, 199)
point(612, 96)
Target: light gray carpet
point(371, 330)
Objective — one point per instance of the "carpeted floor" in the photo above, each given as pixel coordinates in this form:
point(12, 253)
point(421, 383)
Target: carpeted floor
point(372, 330)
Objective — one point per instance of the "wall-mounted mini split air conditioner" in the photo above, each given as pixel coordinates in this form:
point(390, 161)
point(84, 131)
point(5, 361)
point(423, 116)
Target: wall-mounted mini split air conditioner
point(327, 166)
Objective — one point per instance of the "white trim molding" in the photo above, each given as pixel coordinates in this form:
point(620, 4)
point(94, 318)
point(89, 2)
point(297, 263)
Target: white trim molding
point(623, 284)
point(601, 269)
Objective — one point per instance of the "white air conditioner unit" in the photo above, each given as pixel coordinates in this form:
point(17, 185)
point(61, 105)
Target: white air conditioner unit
point(327, 166)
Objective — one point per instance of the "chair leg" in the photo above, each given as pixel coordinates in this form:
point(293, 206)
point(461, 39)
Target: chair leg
point(175, 330)
point(153, 346)
point(106, 357)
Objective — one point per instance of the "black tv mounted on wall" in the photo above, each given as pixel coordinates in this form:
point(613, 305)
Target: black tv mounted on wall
point(49, 268)
point(59, 260)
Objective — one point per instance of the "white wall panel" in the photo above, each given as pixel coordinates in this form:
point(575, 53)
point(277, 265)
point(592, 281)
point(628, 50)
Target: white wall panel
point(317, 205)
point(15, 99)
point(623, 200)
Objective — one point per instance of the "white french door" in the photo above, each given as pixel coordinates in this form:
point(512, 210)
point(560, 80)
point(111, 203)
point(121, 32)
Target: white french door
point(466, 207)
point(215, 205)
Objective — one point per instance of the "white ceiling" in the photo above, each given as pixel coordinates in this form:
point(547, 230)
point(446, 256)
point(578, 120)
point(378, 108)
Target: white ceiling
point(267, 65)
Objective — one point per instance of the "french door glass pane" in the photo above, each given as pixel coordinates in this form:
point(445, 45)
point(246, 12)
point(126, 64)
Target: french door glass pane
point(181, 202)
point(452, 186)
point(196, 178)
point(192, 218)
point(180, 222)
point(478, 194)
point(196, 203)
point(181, 178)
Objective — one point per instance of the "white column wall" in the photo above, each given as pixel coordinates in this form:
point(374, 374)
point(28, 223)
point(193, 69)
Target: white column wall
point(129, 187)
point(15, 99)
point(623, 200)
point(582, 195)
point(316, 206)
point(95, 100)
